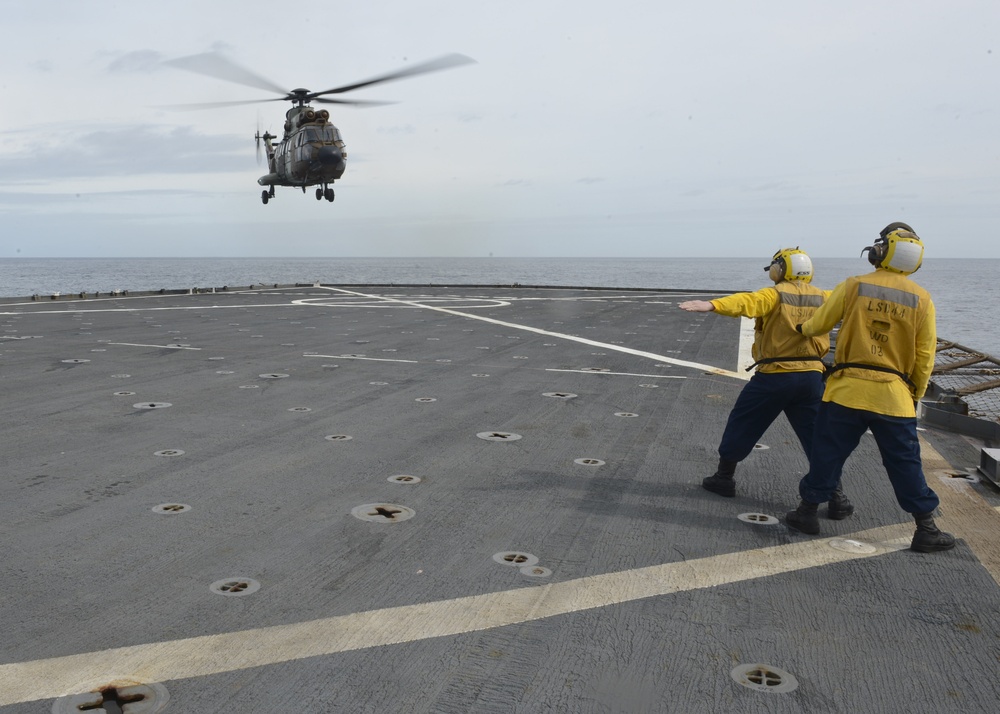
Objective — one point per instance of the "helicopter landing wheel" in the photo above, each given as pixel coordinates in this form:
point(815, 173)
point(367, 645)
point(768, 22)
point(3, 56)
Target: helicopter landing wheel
point(329, 195)
point(319, 194)
point(264, 196)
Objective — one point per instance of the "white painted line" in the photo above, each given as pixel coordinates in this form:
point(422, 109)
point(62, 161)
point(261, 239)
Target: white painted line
point(539, 331)
point(623, 374)
point(148, 309)
point(163, 347)
point(231, 651)
point(370, 359)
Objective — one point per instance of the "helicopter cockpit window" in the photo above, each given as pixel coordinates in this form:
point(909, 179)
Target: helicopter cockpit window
point(326, 134)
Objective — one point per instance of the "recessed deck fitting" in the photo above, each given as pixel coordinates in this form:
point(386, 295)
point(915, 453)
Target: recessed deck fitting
point(74, 361)
point(764, 678)
point(760, 447)
point(120, 697)
point(300, 409)
point(516, 558)
point(588, 462)
point(152, 405)
point(169, 452)
point(124, 394)
point(498, 436)
point(535, 571)
point(170, 509)
point(627, 415)
point(383, 512)
point(272, 375)
point(760, 519)
point(403, 478)
point(338, 437)
point(559, 395)
point(235, 587)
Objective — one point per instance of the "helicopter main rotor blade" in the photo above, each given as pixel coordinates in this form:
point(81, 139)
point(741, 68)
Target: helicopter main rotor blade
point(218, 105)
point(215, 65)
point(354, 102)
point(446, 62)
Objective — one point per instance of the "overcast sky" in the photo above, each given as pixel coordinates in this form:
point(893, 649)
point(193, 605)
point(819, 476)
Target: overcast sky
point(633, 128)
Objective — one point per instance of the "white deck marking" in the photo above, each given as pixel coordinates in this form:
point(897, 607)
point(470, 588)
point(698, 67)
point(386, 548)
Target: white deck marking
point(593, 343)
point(372, 359)
point(164, 347)
point(231, 651)
point(623, 374)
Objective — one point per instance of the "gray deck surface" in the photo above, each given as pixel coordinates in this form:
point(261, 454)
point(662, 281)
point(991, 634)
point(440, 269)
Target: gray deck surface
point(647, 592)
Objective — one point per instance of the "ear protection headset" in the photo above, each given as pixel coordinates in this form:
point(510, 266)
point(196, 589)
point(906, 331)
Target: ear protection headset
point(790, 264)
point(898, 249)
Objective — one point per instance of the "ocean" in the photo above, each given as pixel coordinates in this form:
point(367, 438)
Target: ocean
point(963, 289)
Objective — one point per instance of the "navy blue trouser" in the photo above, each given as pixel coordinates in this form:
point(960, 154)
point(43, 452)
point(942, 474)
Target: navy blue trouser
point(838, 432)
point(765, 396)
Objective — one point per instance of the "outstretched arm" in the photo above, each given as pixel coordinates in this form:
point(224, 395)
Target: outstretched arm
point(697, 306)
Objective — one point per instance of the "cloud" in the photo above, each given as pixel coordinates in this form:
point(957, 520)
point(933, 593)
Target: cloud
point(126, 150)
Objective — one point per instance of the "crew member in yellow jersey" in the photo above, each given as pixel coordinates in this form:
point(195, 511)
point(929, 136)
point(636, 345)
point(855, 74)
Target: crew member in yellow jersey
point(883, 361)
point(789, 376)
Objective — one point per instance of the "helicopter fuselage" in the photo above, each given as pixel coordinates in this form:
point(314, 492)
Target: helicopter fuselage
point(311, 152)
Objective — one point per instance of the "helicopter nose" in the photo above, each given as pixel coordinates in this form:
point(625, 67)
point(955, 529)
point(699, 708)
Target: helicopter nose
point(330, 156)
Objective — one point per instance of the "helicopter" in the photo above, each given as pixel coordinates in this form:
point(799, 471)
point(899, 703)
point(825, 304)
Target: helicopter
point(311, 151)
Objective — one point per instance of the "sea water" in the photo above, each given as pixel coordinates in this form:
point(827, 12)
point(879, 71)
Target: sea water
point(964, 290)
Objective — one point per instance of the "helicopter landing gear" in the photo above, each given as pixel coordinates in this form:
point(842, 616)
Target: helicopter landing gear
point(319, 194)
point(266, 195)
point(329, 194)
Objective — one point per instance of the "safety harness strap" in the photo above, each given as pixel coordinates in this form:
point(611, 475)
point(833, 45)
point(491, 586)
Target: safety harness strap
point(872, 367)
point(769, 360)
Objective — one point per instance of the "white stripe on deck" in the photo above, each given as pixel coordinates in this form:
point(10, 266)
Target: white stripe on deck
point(548, 333)
point(371, 359)
point(231, 651)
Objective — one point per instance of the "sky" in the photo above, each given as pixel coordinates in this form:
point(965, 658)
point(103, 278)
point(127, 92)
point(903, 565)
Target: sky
point(640, 128)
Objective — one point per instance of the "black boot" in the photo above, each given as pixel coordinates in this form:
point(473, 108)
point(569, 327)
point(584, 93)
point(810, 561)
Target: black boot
point(722, 481)
point(839, 506)
point(804, 518)
point(928, 539)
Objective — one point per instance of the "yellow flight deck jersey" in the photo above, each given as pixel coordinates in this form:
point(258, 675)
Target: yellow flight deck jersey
point(777, 311)
point(888, 323)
